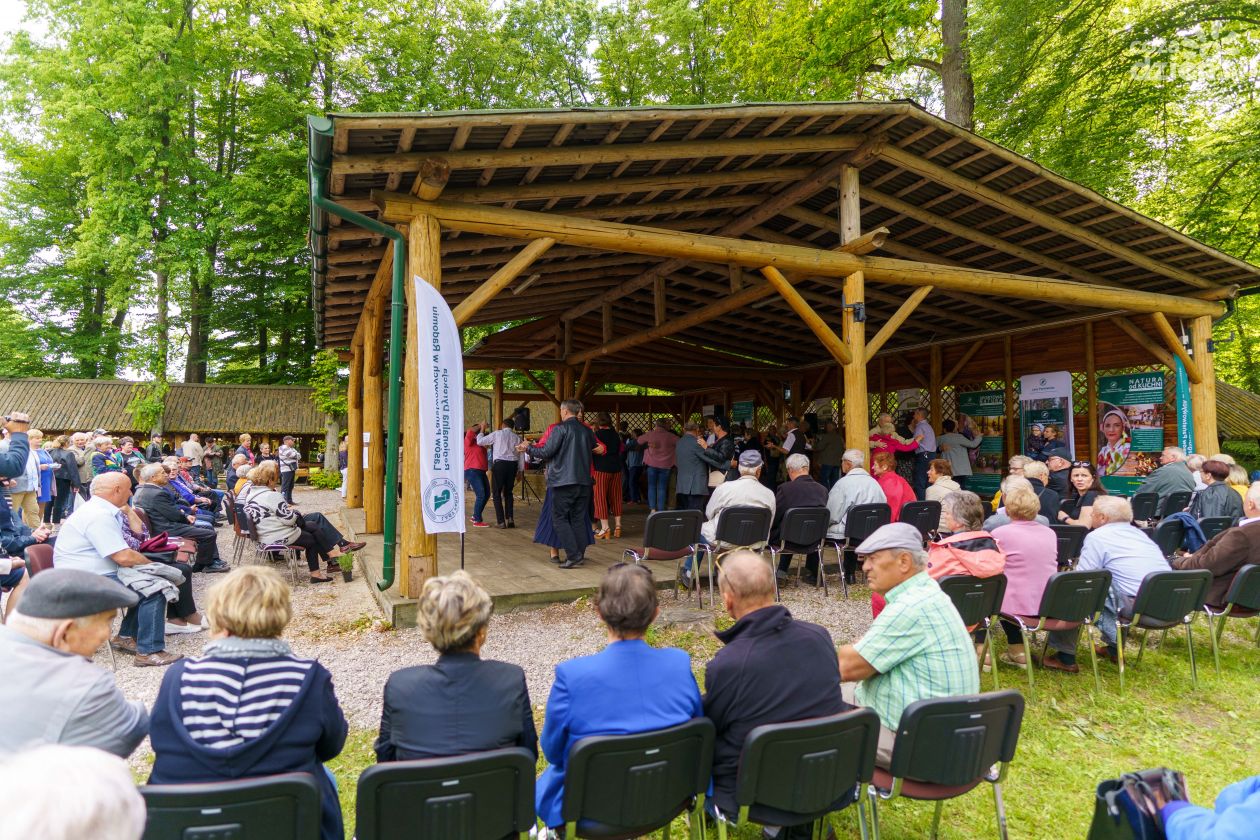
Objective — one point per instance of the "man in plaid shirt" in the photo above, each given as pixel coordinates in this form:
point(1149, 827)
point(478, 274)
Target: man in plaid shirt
point(917, 648)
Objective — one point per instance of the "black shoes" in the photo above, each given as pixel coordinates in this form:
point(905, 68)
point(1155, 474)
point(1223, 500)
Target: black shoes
point(573, 564)
point(511, 524)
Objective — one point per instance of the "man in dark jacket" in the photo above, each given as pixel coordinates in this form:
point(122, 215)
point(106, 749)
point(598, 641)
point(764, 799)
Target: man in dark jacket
point(567, 452)
point(1059, 462)
point(1038, 475)
point(772, 669)
point(153, 452)
point(1229, 550)
point(797, 492)
point(156, 499)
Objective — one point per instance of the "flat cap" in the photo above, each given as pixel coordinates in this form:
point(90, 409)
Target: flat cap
point(895, 535)
point(73, 593)
point(1057, 451)
point(750, 458)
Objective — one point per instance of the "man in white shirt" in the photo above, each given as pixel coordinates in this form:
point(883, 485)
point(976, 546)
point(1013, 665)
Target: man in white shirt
point(504, 462)
point(91, 540)
point(855, 487)
point(289, 459)
point(745, 491)
point(194, 452)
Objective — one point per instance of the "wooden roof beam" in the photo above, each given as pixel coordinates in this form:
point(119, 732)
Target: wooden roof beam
point(1193, 371)
point(1140, 337)
point(825, 334)
point(500, 279)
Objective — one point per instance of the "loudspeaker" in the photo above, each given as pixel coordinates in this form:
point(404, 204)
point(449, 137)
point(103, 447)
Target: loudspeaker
point(520, 419)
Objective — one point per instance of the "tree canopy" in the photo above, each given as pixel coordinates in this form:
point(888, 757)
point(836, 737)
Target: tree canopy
point(153, 187)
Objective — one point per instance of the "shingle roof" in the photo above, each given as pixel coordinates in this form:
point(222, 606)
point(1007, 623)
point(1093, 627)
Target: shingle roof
point(1237, 412)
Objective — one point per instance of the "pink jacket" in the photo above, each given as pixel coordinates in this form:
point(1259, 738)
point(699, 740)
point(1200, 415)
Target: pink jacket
point(660, 448)
point(891, 444)
point(1032, 556)
point(474, 455)
point(974, 553)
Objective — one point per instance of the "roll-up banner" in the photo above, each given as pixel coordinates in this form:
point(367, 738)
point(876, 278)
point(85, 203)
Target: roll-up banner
point(983, 413)
point(1045, 408)
point(1130, 429)
point(441, 384)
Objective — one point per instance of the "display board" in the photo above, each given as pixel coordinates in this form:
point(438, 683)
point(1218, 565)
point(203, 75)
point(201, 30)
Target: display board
point(983, 413)
point(1130, 429)
point(1045, 411)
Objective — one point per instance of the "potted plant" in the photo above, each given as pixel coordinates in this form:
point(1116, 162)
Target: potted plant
point(346, 562)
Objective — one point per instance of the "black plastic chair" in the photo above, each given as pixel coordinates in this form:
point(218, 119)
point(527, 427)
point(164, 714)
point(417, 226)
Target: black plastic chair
point(1070, 538)
point(284, 807)
point(743, 526)
point(1241, 601)
point(265, 551)
point(1174, 502)
point(946, 747)
point(926, 516)
point(1070, 599)
point(859, 523)
point(978, 600)
point(802, 531)
point(1213, 525)
point(1164, 600)
point(1145, 506)
point(482, 796)
point(1169, 534)
point(669, 535)
point(630, 785)
point(810, 768)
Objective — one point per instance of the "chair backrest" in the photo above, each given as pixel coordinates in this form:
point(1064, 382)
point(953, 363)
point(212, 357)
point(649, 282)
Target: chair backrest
point(1144, 505)
point(1174, 502)
point(955, 740)
point(1070, 539)
point(1172, 595)
point(1075, 596)
point(144, 517)
point(672, 530)
point(251, 530)
point(975, 598)
point(1169, 535)
point(744, 525)
point(229, 508)
point(483, 796)
point(1213, 525)
point(805, 527)
point(39, 556)
point(864, 520)
point(284, 807)
point(808, 767)
point(926, 516)
point(1244, 591)
point(638, 782)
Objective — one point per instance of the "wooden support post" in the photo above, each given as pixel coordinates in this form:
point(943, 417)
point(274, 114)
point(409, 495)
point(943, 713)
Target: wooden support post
point(417, 551)
point(1173, 342)
point(1091, 389)
point(898, 318)
point(1203, 395)
point(1012, 405)
point(500, 280)
point(936, 410)
point(566, 346)
point(582, 380)
point(856, 402)
point(961, 363)
point(825, 335)
point(496, 410)
point(658, 301)
point(354, 435)
point(737, 277)
point(374, 417)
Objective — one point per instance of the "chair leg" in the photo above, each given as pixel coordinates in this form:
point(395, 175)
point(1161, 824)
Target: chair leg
point(1001, 809)
point(844, 580)
point(936, 818)
point(1027, 659)
point(1120, 634)
point(861, 815)
point(988, 632)
point(1093, 657)
point(1194, 670)
point(1141, 648)
point(1216, 651)
point(874, 812)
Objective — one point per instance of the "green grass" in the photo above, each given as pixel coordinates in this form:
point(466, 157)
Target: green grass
point(1070, 739)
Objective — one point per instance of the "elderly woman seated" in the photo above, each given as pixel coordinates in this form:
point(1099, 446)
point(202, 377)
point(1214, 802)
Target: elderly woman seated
point(248, 706)
point(627, 687)
point(1032, 556)
point(463, 703)
point(278, 522)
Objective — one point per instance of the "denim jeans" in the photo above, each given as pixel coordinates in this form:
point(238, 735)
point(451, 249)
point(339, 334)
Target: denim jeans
point(145, 622)
point(632, 483)
point(477, 481)
point(658, 488)
point(829, 475)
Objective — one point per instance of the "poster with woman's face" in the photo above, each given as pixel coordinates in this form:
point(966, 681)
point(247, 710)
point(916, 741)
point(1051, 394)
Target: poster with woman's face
point(1130, 424)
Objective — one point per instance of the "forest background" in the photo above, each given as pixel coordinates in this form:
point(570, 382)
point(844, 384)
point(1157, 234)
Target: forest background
point(153, 192)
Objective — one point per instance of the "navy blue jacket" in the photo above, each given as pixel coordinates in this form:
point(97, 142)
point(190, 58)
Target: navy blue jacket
point(13, 462)
point(311, 731)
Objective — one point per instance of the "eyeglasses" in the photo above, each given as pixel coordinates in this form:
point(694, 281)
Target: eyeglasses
point(1083, 465)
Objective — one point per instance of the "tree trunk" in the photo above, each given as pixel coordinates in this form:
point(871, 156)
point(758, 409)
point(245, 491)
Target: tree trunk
point(332, 436)
point(959, 88)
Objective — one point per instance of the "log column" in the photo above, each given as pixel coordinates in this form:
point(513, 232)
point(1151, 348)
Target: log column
point(856, 404)
point(1091, 390)
point(373, 417)
point(936, 410)
point(354, 436)
point(1012, 404)
point(417, 550)
point(496, 410)
point(1203, 394)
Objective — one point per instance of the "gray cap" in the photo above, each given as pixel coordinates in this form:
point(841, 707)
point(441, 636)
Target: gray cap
point(750, 458)
point(895, 535)
point(73, 593)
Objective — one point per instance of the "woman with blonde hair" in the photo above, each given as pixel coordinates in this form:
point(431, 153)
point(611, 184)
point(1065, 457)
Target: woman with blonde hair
point(1032, 556)
point(462, 703)
point(248, 706)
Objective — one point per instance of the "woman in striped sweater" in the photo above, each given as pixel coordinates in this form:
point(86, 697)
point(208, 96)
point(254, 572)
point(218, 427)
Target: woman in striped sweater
point(249, 707)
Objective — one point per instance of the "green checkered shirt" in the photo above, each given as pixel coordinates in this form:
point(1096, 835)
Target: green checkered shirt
point(921, 649)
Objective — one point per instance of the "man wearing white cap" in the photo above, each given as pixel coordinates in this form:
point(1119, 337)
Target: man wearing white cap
point(917, 648)
point(745, 491)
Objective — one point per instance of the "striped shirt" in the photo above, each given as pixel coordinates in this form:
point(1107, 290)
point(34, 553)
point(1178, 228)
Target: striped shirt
point(226, 702)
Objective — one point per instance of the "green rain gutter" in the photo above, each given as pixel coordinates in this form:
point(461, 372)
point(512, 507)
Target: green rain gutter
point(320, 134)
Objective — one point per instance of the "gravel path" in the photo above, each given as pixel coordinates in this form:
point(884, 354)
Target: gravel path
point(340, 625)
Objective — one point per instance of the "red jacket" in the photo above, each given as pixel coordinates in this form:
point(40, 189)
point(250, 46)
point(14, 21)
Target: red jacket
point(891, 444)
point(897, 490)
point(474, 455)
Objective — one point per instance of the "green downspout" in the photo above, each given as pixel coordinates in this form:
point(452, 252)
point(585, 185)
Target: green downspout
point(319, 163)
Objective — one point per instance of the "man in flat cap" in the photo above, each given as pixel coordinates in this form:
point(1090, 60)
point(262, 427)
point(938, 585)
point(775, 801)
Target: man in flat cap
point(51, 692)
point(745, 491)
point(917, 648)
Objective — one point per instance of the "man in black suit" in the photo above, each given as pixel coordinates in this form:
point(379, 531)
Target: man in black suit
point(798, 491)
point(157, 500)
point(1038, 475)
point(568, 450)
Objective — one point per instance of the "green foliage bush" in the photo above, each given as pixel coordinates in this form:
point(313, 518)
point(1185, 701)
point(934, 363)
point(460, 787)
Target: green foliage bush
point(325, 479)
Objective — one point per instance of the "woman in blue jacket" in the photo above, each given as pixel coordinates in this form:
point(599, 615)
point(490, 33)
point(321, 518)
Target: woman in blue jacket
point(249, 707)
point(1236, 816)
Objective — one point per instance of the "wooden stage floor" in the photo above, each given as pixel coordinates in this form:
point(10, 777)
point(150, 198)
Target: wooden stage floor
point(512, 568)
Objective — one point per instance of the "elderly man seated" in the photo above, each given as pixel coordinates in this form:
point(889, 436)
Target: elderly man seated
point(1172, 475)
point(799, 491)
point(1229, 550)
point(772, 668)
point(1130, 555)
point(51, 693)
point(917, 648)
point(745, 491)
point(855, 487)
point(156, 499)
point(91, 540)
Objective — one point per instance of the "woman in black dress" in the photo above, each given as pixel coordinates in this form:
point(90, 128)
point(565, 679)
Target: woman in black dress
point(1084, 487)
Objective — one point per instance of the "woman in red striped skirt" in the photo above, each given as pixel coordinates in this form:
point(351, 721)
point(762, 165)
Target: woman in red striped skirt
point(607, 478)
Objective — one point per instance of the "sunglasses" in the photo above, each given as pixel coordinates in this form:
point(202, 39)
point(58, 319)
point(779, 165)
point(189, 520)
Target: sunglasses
point(1085, 465)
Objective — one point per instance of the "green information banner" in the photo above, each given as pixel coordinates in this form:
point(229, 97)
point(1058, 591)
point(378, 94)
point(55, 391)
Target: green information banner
point(1131, 428)
point(742, 411)
point(984, 414)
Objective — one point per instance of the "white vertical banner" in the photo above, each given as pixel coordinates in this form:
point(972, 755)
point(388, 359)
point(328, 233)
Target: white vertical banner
point(1045, 407)
point(441, 384)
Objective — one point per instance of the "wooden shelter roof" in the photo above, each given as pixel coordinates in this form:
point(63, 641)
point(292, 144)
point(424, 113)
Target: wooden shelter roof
point(761, 172)
point(1237, 412)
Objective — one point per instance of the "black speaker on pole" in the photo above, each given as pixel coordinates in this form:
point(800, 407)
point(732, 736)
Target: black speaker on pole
point(520, 419)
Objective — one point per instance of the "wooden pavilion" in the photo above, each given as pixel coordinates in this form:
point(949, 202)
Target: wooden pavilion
point(771, 251)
